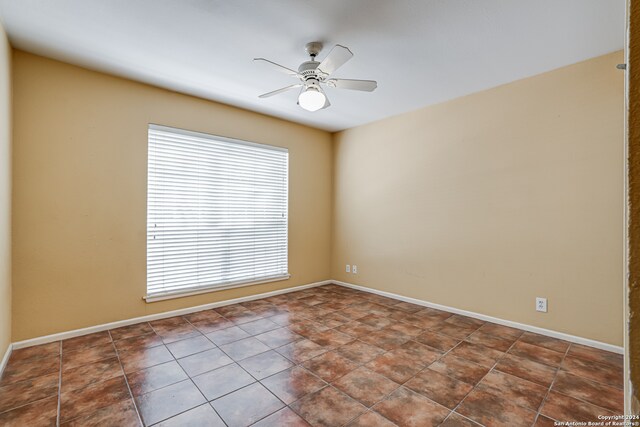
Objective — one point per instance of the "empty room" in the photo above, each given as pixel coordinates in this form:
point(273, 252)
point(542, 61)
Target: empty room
point(338, 213)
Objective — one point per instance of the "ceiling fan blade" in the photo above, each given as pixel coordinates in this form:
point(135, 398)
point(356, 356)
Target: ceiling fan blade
point(365, 85)
point(275, 92)
point(278, 67)
point(335, 59)
point(327, 104)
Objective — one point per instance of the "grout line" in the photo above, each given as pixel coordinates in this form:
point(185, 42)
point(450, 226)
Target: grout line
point(126, 380)
point(544, 400)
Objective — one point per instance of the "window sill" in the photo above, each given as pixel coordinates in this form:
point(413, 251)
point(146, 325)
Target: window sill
point(182, 294)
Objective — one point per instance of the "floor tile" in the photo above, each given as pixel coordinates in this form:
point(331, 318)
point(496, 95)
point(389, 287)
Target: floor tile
point(200, 416)
point(42, 413)
point(221, 381)
point(460, 369)
point(174, 329)
point(607, 397)
point(143, 358)
point(489, 409)
point(497, 343)
point(436, 340)
point(265, 364)
point(371, 419)
point(395, 365)
point(278, 337)
point(211, 325)
point(259, 326)
point(543, 341)
point(23, 392)
point(376, 321)
point(301, 350)
point(537, 354)
point(593, 371)
point(565, 408)
point(184, 348)
point(596, 355)
point(365, 386)
point(292, 384)
point(85, 401)
point(200, 363)
point(440, 388)
point(407, 408)
point(466, 321)
point(131, 331)
point(423, 355)
point(330, 366)
point(408, 307)
point(139, 342)
point(199, 316)
point(244, 348)
point(333, 319)
point(226, 336)
point(454, 331)
point(457, 420)
point(477, 353)
point(543, 421)
point(521, 392)
point(84, 356)
point(85, 341)
point(285, 417)
point(405, 328)
point(330, 338)
point(150, 379)
point(119, 414)
point(354, 313)
point(247, 405)
point(167, 402)
point(527, 369)
point(501, 331)
point(306, 328)
point(355, 329)
point(387, 340)
point(359, 352)
point(35, 352)
point(91, 373)
point(328, 408)
point(29, 369)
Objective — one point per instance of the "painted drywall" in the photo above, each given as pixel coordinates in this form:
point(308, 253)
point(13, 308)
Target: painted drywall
point(485, 202)
point(633, 164)
point(5, 193)
point(79, 205)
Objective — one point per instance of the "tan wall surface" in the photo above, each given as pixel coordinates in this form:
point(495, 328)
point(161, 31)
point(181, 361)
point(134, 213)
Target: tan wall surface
point(5, 193)
point(79, 201)
point(487, 201)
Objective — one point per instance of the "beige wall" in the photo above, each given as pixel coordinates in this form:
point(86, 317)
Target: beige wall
point(487, 201)
point(79, 203)
point(5, 193)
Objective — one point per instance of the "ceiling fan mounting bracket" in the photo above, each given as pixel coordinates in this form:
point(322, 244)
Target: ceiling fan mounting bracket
point(313, 48)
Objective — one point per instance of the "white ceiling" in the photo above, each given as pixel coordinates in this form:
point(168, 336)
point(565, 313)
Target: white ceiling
point(421, 52)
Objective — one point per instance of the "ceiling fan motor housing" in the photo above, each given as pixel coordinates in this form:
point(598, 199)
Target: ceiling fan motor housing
point(310, 74)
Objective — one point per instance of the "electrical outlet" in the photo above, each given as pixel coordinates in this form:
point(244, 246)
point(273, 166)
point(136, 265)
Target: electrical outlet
point(348, 269)
point(354, 269)
point(541, 304)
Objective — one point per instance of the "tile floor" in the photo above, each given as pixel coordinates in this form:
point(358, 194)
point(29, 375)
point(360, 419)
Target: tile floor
point(327, 356)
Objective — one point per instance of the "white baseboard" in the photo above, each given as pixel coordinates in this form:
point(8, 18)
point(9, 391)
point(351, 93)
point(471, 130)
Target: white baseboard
point(537, 330)
point(5, 358)
point(166, 314)
point(98, 328)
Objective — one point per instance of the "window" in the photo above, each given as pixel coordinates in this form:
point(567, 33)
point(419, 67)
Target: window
point(216, 213)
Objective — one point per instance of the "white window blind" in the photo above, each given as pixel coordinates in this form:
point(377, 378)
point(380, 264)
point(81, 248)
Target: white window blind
point(216, 212)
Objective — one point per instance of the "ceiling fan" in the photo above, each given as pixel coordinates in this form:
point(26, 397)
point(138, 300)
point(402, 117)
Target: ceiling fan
point(313, 74)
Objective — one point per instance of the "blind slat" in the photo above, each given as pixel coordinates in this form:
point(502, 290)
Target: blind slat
point(216, 211)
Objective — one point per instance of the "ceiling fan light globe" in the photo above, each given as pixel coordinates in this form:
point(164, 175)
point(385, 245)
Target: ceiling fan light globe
point(312, 99)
